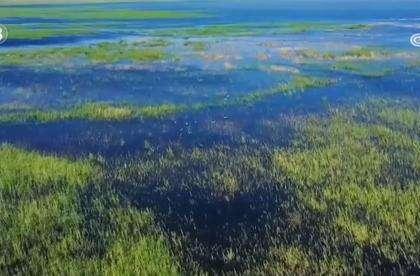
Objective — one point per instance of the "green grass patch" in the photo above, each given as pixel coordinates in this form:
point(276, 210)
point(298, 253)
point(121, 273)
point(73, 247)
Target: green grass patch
point(59, 218)
point(102, 53)
point(363, 68)
point(405, 118)
point(304, 27)
point(197, 46)
point(259, 29)
point(37, 33)
point(26, 174)
point(95, 112)
point(92, 13)
point(366, 53)
point(358, 188)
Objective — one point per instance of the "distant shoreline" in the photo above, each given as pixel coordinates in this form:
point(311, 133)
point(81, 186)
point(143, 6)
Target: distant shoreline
point(58, 2)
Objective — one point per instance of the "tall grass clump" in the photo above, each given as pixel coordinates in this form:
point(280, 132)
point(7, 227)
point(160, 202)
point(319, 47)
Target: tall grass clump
point(58, 217)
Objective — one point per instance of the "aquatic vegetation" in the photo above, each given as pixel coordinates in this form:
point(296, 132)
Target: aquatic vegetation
point(365, 53)
point(106, 112)
point(298, 84)
point(94, 112)
point(25, 175)
point(179, 147)
point(199, 203)
point(197, 46)
point(261, 29)
point(96, 54)
point(160, 111)
point(158, 42)
point(405, 118)
point(92, 13)
point(358, 186)
point(54, 221)
point(31, 33)
point(363, 68)
point(209, 31)
point(304, 27)
point(351, 185)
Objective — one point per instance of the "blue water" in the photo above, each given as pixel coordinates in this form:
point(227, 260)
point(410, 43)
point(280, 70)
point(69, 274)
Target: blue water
point(232, 66)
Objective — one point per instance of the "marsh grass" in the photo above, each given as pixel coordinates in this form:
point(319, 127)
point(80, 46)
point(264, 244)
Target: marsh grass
point(356, 54)
point(106, 112)
point(25, 174)
point(96, 112)
point(92, 13)
point(102, 53)
point(58, 217)
point(210, 199)
point(261, 30)
point(197, 46)
point(363, 68)
point(358, 186)
point(23, 32)
point(342, 198)
point(366, 53)
point(304, 27)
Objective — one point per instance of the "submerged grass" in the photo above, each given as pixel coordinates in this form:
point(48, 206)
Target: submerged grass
point(106, 112)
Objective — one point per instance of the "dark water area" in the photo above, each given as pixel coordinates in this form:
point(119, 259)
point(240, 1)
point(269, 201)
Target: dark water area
point(231, 66)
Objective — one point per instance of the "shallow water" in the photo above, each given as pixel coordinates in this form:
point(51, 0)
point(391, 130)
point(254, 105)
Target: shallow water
point(227, 66)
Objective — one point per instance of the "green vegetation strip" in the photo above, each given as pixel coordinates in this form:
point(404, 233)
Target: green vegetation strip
point(255, 29)
point(104, 112)
point(358, 53)
point(92, 13)
point(101, 53)
point(42, 32)
point(363, 68)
